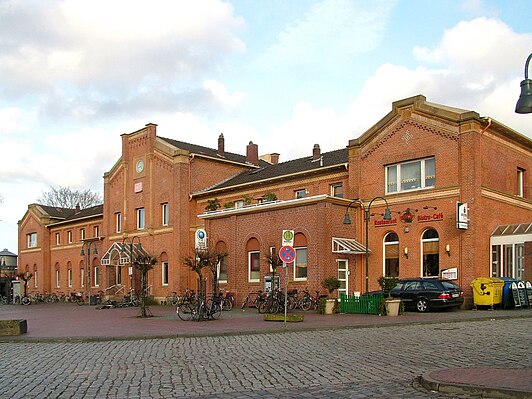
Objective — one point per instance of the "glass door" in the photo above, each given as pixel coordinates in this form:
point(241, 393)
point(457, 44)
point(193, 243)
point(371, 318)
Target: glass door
point(343, 273)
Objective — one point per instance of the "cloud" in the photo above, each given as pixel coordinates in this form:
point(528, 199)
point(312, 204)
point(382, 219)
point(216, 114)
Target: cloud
point(330, 32)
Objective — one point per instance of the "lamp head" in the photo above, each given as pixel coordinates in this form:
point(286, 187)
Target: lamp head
point(524, 103)
point(82, 252)
point(387, 214)
point(347, 219)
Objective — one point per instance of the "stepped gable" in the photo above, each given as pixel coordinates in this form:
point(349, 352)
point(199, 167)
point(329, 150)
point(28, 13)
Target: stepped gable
point(300, 165)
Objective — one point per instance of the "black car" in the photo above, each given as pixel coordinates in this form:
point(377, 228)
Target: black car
point(423, 294)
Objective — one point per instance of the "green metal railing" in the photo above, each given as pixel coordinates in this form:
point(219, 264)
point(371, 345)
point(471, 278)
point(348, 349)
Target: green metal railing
point(361, 304)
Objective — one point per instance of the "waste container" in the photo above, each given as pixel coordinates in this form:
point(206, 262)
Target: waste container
point(507, 297)
point(487, 291)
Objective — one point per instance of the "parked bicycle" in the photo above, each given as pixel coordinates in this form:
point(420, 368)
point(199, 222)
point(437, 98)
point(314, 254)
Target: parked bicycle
point(253, 300)
point(201, 310)
point(308, 302)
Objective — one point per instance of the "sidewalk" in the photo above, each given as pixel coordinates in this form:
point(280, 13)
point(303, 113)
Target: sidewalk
point(73, 323)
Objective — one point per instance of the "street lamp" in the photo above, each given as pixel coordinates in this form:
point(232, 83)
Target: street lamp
point(524, 103)
point(86, 250)
point(367, 215)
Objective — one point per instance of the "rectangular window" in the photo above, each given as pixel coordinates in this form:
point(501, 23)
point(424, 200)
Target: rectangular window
point(300, 269)
point(32, 240)
point(69, 236)
point(96, 276)
point(96, 231)
point(520, 182)
point(141, 219)
point(57, 279)
point(82, 278)
point(69, 273)
point(165, 214)
point(300, 193)
point(413, 175)
point(35, 279)
point(520, 261)
point(164, 266)
point(118, 222)
point(239, 204)
point(57, 239)
point(337, 190)
point(254, 266)
point(81, 234)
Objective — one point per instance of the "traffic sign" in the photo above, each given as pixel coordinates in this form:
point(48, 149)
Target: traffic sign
point(287, 254)
point(288, 238)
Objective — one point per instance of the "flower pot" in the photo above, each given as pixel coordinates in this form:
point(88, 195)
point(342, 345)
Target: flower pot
point(392, 307)
point(329, 306)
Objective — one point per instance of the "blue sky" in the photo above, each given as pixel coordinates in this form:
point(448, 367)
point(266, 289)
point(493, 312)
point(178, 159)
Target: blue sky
point(75, 74)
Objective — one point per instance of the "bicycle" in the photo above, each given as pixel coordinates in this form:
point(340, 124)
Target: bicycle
point(258, 298)
point(201, 310)
point(308, 302)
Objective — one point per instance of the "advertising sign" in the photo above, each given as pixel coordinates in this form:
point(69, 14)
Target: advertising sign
point(462, 218)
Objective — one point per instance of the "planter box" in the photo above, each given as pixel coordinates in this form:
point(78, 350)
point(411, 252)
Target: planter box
point(280, 317)
point(13, 327)
point(392, 307)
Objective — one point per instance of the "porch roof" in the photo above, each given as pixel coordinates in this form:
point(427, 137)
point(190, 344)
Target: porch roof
point(347, 246)
point(121, 251)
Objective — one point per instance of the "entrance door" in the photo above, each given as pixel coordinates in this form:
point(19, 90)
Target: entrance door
point(343, 273)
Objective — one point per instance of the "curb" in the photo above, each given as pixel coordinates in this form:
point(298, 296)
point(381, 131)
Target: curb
point(454, 388)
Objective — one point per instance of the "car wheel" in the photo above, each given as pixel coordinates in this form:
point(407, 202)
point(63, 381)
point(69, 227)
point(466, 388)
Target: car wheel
point(422, 305)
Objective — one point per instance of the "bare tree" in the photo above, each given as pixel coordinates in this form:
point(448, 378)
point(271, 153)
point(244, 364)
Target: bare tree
point(65, 197)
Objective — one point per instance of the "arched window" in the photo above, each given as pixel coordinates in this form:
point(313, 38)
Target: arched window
point(391, 255)
point(430, 246)
point(165, 273)
point(69, 274)
point(300, 268)
point(253, 251)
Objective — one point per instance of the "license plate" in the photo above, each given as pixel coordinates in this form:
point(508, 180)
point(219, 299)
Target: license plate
point(455, 295)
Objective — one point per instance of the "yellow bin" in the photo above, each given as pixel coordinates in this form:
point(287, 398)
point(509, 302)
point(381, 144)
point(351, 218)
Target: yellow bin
point(487, 291)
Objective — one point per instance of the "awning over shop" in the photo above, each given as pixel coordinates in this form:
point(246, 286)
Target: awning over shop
point(347, 246)
point(119, 253)
point(513, 229)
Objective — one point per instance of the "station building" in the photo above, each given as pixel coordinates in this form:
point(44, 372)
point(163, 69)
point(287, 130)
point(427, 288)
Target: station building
point(457, 187)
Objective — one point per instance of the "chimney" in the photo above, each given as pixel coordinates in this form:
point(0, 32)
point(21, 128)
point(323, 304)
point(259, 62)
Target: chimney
point(252, 153)
point(316, 152)
point(272, 159)
point(221, 144)
point(78, 208)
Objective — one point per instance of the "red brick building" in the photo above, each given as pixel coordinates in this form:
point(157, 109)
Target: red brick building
point(457, 185)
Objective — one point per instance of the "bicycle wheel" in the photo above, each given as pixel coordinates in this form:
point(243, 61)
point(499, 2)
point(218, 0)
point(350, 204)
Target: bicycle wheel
point(185, 312)
point(25, 300)
point(265, 306)
point(227, 304)
point(215, 310)
point(244, 302)
point(305, 303)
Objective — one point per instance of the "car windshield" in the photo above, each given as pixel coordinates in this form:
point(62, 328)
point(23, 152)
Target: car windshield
point(450, 286)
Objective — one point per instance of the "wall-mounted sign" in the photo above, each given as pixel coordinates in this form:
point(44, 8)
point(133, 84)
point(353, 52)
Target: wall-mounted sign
point(430, 218)
point(200, 239)
point(287, 238)
point(450, 274)
point(384, 222)
point(407, 216)
point(462, 218)
point(138, 187)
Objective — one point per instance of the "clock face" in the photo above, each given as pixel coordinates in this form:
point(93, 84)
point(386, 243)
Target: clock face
point(140, 166)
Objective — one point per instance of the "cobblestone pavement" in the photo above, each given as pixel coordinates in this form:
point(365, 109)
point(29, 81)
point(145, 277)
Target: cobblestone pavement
point(375, 362)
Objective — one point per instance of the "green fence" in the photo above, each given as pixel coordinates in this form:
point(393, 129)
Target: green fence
point(361, 304)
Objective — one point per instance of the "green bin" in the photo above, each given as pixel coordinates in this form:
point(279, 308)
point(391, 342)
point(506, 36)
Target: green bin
point(487, 291)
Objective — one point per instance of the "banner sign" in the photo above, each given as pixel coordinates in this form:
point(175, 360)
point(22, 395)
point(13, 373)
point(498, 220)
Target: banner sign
point(462, 218)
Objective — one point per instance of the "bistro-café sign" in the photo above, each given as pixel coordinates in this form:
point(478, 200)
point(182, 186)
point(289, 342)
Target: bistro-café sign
point(408, 217)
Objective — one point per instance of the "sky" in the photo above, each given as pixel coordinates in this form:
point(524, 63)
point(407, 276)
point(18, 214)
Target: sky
point(76, 74)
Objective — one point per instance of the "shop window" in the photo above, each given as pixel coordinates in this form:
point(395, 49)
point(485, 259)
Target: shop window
point(337, 190)
point(141, 218)
point(253, 250)
point(496, 261)
point(32, 240)
point(430, 244)
point(519, 261)
point(164, 272)
point(412, 175)
point(391, 255)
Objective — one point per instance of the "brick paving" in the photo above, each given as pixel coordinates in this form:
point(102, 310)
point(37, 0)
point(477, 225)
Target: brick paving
point(114, 354)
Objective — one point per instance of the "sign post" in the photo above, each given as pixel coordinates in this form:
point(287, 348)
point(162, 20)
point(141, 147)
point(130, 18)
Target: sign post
point(287, 254)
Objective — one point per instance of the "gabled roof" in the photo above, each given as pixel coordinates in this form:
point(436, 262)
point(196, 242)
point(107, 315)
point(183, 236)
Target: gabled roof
point(74, 215)
point(210, 152)
point(282, 170)
point(57, 212)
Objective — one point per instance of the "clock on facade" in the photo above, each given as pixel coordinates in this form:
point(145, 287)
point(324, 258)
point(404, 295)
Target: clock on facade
point(140, 166)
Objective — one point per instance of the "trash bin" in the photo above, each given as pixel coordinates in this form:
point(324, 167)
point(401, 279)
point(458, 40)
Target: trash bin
point(487, 291)
point(507, 297)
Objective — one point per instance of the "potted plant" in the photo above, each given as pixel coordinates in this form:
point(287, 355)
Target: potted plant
point(391, 305)
point(330, 284)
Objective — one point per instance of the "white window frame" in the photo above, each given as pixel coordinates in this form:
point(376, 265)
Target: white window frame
point(298, 250)
point(165, 214)
point(35, 279)
point(520, 182)
point(239, 204)
point(334, 190)
point(96, 231)
point(57, 278)
point(69, 277)
point(254, 280)
point(57, 238)
point(69, 236)
point(118, 222)
point(96, 276)
point(219, 269)
point(301, 193)
point(345, 262)
point(82, 234)
point(141, 218)
point(82, 277)
point(32, 240)
point(398, 181)
point(165, 274)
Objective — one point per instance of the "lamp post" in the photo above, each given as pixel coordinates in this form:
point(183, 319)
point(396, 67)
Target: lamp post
point(524, 103)
point(367, 215)
point(86, 251)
